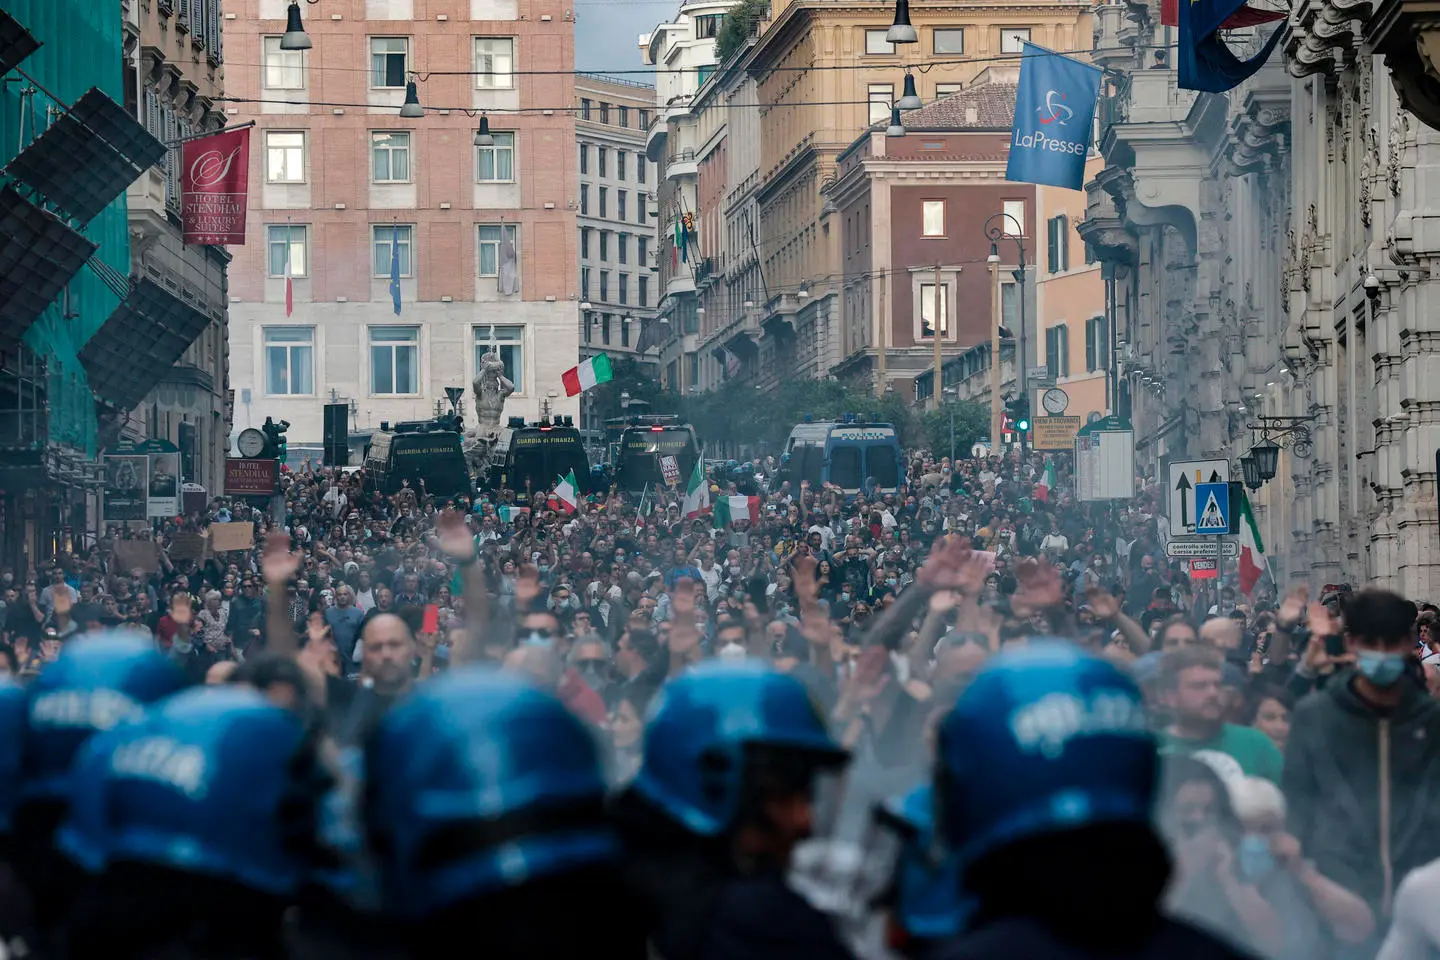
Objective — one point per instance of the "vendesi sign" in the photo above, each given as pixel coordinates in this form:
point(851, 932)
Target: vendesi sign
point(1054, 433)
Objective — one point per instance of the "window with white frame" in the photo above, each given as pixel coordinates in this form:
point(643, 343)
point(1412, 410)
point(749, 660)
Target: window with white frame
point(876, 44)
point(491, 247)
point(389, 61)
point(880, 95)
point(509, 342)
point(585, 243)
point(497, 161)
point(389, 240)
point(620, 200)
point(585, 199)
point(619, 164)
point(390, 156)
point(948, 40)
point(622, 247)
point(584, 158)
point(932, 218)
point(289, 361)
point(494, 63)
point(288, 249)
point(602, 156)
point(395, 361)
point(1014, 219)
point(584, 283)
point(604, 245)
point(624, 288)
point(943, 90)
point(927, 310)
point(284, 156)
point(1013, 39)
point(281, 69)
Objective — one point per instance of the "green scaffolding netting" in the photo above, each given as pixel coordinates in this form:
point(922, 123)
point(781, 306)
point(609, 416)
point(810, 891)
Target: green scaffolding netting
point(81, 48)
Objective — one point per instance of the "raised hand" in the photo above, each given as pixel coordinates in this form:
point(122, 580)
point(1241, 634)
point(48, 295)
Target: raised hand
point(454, 536)
point(279, 564)
point(1040, 587)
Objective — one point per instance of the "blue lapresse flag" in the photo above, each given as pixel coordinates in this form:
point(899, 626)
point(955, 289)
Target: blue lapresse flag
point(1054, 119)
point(395, 269)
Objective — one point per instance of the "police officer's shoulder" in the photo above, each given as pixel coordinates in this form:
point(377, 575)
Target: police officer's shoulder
point(1013, 937)
point(762, 918)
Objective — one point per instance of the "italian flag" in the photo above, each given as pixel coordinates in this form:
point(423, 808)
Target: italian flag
point(509, 512)
point(1252, 549)
point(730, 509)
point(1046, 484)
point(697, 494)
point(567, 491)
point(594, 371)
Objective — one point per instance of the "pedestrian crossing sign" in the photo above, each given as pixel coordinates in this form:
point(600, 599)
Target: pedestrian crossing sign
point(1212, 502)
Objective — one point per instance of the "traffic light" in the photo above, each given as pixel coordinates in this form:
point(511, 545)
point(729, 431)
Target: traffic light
point(275, 443)
point(1018, 410)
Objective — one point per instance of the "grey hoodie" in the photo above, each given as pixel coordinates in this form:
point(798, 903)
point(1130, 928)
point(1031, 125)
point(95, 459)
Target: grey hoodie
point(1361, 787)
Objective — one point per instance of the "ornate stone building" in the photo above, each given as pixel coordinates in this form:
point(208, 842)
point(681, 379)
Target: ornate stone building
point(1270, 250)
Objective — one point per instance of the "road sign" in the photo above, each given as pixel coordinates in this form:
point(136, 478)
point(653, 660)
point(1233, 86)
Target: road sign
point(1187, 549)
point(1212, 504)
point(1204, 570)
point(1184, 476)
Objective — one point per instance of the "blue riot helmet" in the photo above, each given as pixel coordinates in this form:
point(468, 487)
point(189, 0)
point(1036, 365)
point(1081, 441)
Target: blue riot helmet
point(922, 896)
point(95, 683)
point(206, 808)
point(711, 730)
point(218, 782)
point(1045, 740)
point(479, 783)
point(12, 738)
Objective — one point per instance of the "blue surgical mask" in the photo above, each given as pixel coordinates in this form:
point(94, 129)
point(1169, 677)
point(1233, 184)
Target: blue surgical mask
point(891, 582)
point(1253, 857)
point(1381, 669)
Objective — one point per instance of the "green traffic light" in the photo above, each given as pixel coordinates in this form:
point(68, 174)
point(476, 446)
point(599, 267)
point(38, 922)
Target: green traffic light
point(1022, 425)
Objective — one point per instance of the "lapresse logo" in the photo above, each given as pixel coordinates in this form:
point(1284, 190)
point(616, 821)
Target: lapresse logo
point(1055, 115)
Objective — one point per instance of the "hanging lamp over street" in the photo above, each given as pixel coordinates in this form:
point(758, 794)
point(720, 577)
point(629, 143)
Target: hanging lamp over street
point(482, 136)
point(909, 100)
point(901, 31)
point(896, 128)
point(411, 109)
point(295, 37)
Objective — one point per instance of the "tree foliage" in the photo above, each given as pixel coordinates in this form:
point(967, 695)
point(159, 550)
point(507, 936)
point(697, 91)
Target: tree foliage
point(738, 25)
point(972, 421)
point(738, 420)
point(629, 377)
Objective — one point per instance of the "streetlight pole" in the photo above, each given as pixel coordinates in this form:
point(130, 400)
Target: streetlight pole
point(994, 261)
point(995, 232)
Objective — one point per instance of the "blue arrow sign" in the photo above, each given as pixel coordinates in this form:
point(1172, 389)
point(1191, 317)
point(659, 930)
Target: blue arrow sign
point(1212, 508)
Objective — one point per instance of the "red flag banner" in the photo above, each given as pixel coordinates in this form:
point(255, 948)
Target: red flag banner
point(213, 187)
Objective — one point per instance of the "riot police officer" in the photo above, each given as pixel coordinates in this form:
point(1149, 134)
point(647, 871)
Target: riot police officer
point(922, 902)
point(485, 809)
point(95, 684)
point(725, 793)
point(1045, 782)
point(198, 824)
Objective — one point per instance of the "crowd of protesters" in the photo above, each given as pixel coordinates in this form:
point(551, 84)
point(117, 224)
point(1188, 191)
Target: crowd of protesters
point(1303, 738)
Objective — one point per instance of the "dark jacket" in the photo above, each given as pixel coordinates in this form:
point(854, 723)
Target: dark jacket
point(1349, 769)
point(1014, 938)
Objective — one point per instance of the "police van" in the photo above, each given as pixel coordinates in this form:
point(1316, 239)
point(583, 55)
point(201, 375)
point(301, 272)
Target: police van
point(531, 456)
point(416, 451)
point(844, 452)
point(645, 443)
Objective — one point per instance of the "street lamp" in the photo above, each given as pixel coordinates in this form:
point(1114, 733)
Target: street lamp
point(995, 231)
point(1251, 470)
point(295, 37)
point(1267, 458)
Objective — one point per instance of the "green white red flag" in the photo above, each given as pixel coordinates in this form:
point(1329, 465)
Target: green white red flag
point(1252, 549)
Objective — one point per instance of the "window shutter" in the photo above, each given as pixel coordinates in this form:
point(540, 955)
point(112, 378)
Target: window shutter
point(1090, 346)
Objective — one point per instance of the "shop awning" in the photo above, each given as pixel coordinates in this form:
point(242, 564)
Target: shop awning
point(39, 254)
